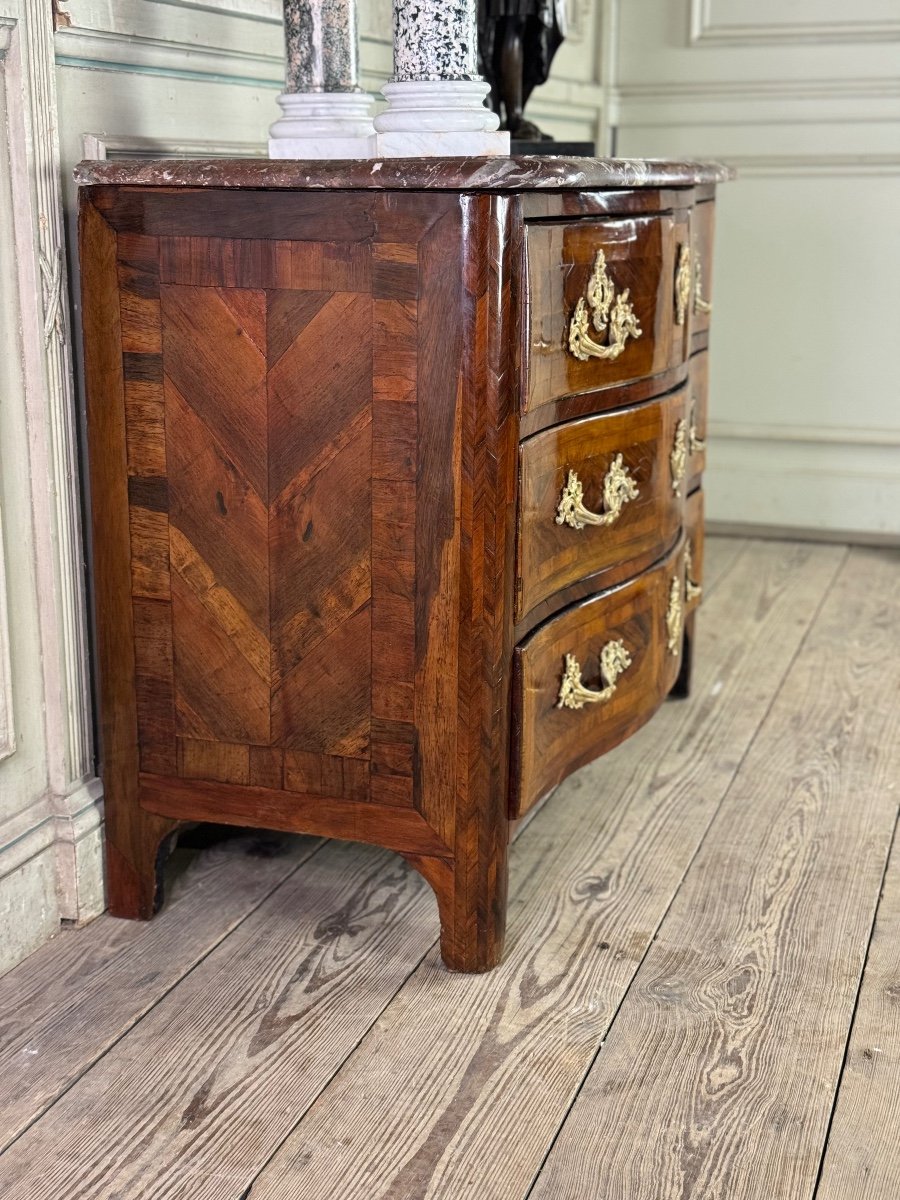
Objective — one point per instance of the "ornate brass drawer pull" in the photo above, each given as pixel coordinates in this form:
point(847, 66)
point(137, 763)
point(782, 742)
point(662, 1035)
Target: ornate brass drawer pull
point(695, 443)
point(610, 314)
point(678, 457)
point(692, 591)
point(683, 285)
point(700, 305)
point(618, 489)
point(614, 659)
point(674, 616)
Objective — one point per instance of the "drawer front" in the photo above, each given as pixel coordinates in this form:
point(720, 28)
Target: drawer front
point(599, 492)
point(702, 232)
point(698, 395)
point(603, 304)
point(693, 550)
point(586, 680)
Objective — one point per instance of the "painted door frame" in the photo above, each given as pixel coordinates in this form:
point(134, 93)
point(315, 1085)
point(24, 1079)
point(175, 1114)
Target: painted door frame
point(62, 824)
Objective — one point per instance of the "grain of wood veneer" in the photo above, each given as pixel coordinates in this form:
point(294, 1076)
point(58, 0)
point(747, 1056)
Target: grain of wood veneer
point(461, 1086)
point(719, 1075)
point(194, 1101)
point(67, 1004)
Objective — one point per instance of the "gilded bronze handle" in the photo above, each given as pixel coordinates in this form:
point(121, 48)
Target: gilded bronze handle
point(614, 659)
point(618, 489)
point(700, 305)
point(683, 285)
point(674, 616)
point(610, 314)
point(678, 457)
point(695, 443)
point(692, 590)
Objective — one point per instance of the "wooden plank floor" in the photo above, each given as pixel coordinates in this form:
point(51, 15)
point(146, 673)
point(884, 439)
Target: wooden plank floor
point(701, 996)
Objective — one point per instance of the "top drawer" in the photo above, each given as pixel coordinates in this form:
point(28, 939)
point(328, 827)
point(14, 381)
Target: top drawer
point(608, 303)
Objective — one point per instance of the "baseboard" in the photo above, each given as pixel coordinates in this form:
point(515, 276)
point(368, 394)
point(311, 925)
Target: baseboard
point(51, 869)
point(29, 908)
point(800, 533)
point(823, 490)
point(79, 854)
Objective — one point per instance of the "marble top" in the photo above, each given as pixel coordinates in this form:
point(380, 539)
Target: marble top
point(452, 174)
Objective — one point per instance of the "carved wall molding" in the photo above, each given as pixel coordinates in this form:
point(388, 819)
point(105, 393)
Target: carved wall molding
point(708, 30)
point(812, 434)
point(103, 146)
point(7, 723)
point(578, 12)
point(714, 91)
point(260, 61)
point(52, 418)
point(800, 165)
point(50, 478)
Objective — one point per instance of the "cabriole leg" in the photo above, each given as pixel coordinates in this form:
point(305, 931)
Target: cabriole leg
point(472, 908)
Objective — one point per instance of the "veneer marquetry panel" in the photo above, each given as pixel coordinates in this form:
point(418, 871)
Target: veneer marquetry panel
point(134, 842)
point(216, 438)
point(395, 271)
point(250, 465)
point(326, 775)
point(551, 736)
point(148, 498)
point(316, 401)
point(248, 216)
point(320, 523)
point(638, 442)
point(641, 258)
point(243, 262)
point(155, 685)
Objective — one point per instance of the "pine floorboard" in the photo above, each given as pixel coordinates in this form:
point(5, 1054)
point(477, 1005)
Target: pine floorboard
point(862, 1157)
point(62, 1009)
point(462, 1096)
point(720, 1072)
point(699, 999)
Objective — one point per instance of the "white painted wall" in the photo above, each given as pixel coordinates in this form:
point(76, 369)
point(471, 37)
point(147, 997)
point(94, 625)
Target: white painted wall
point(804, 99)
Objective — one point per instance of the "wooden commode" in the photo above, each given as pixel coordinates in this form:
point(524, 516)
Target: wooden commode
point(395, 474)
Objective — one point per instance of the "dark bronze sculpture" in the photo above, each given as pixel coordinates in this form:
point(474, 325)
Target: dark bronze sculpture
point(517, 42)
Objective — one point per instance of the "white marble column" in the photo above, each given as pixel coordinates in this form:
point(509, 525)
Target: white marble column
point(326, 114)
point(436, 97)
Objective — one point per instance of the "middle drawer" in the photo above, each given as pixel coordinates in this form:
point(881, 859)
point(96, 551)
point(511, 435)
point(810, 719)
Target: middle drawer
point(601, 492)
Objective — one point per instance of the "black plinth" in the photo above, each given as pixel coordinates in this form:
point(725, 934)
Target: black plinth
point(548, 147)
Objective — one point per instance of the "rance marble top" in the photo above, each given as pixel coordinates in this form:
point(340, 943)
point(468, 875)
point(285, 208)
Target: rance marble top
point(451, 174)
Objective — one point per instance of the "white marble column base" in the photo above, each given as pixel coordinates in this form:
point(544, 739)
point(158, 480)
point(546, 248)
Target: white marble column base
point(442, 145)
point(438, 118)
point(323, 125)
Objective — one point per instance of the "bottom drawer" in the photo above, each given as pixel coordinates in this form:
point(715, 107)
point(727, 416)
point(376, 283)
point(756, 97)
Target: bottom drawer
point(587, 679)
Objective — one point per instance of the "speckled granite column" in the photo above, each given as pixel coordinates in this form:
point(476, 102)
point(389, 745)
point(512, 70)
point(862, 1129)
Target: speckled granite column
point(436, 39)
point(321, 41)
point(326, 114)
point(436, 97)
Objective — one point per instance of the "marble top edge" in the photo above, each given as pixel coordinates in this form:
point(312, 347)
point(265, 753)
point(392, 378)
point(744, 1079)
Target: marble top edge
point(453, 174)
